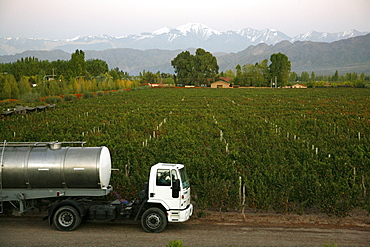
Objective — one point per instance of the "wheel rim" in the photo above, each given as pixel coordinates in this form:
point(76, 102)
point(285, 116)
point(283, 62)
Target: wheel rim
point(66, 219)
point(153, 221)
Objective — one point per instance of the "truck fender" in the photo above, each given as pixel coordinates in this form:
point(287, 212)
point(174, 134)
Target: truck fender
point(140, 209)
point(146, 205)
point(53, 208)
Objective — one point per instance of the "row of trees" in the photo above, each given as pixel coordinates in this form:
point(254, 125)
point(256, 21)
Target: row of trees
point(262, 74)
point(307, 77)
point(60, 69)
point(29, 76)
point(202, 69)
point(165, 79)
point(46, 78)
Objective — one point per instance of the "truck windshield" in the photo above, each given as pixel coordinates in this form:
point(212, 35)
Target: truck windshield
point(184, 178)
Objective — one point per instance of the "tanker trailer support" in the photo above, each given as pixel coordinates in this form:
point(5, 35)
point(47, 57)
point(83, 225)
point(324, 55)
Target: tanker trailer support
point(78, 176)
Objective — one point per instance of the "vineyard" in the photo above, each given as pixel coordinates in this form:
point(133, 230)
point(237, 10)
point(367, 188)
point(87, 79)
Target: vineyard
point(285, 150)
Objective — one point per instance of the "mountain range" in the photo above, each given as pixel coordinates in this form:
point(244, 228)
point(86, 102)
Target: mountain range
point(167, 38)
point(348, 55)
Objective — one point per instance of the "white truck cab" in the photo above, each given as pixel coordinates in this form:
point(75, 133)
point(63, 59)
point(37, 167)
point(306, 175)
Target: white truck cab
point(170, 187)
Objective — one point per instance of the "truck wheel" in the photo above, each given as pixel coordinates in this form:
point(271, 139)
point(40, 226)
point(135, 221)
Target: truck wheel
point(66, 218)
point(153, 220)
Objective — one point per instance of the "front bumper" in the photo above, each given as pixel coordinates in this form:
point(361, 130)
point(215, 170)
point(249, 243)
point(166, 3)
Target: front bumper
point(180, 215)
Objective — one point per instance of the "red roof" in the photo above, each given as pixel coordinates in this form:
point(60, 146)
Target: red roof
point(227, 79)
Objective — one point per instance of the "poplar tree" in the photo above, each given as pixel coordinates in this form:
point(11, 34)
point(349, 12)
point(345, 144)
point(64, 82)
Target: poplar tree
point(77, 64)
point(280, 68)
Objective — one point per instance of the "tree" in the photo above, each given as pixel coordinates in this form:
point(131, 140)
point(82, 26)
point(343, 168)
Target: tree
point(263, 70)
point(335, 76)
point(77, 65)
point(238, 80)
point(313, 77)
point(256, 75)
point(280, 68)
point(114, 73)
point(293, 77)
point(183, 64)
point(198, 69)
point(147, 77)
point(24, 86)
point(206, 67)
point(305, 77)
point(362, 77)
point(96, 67)
point(5, 87)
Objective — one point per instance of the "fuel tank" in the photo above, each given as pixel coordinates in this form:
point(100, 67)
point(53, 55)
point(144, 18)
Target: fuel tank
point(53, 166)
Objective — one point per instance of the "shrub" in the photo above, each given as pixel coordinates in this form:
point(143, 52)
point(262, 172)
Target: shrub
point(175, 243)
point(99, 93)
point(30, 97)
point(70, 97)
point(88, 95)
point(53, 100)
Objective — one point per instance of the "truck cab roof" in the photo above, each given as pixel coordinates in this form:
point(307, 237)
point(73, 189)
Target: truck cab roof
point(178, 166)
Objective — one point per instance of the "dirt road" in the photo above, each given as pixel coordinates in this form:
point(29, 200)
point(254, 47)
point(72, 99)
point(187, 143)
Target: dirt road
point(256, 230)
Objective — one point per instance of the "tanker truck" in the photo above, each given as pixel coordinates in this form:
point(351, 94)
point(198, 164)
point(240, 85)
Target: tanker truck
point(75, 178)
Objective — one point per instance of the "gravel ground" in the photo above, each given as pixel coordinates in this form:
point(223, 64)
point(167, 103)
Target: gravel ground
point(258, 229)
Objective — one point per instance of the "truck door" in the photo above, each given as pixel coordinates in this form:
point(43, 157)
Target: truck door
point(167, 187)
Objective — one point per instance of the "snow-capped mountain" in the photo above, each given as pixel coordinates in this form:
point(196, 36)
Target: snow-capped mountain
point(167, 38)
point(327, 37)
point(268, 36)
point(200, 30)
point(84, 39)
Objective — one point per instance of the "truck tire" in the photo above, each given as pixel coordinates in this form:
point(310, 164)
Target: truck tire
point(66, 218)
point(153, 220)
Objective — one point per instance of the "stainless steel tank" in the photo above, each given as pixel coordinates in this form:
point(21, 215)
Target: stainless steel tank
point(53, 166)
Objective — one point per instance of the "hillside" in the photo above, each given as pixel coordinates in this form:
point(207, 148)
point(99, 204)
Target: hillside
point(167, 38)
point(348, 55)
point(135, 61)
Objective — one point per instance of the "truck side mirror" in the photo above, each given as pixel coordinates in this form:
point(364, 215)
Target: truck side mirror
point(175, 188)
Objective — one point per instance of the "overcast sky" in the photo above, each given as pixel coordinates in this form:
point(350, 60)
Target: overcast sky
point(61, 19)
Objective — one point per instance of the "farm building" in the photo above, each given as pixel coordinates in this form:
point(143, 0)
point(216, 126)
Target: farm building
point(224, 82)
point(299, 86)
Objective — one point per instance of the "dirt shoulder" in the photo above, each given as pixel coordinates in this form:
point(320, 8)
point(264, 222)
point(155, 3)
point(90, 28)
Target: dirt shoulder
point(212, 229)
point(358, 219)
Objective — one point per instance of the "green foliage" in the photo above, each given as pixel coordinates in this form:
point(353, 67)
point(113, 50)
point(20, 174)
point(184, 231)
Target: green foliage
point(147, 77)
point(77, 65)
point(8, 87)
point(175, 243)
point(291, 149)
point(60, 77)
point(199, 69)
point(53, 100)
point(305, 77)
point(100, 93)
point(88, 95)
point(30, 97)
point(293, 77)
point(70, 97)
point(280, 68)
point(96, 67)
point(257, 75)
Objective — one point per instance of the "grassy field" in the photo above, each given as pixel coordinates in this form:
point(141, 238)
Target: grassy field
point(272, 149)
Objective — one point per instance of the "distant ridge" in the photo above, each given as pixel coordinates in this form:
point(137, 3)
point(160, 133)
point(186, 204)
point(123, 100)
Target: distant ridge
point(167, 38)
point(348, 55)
